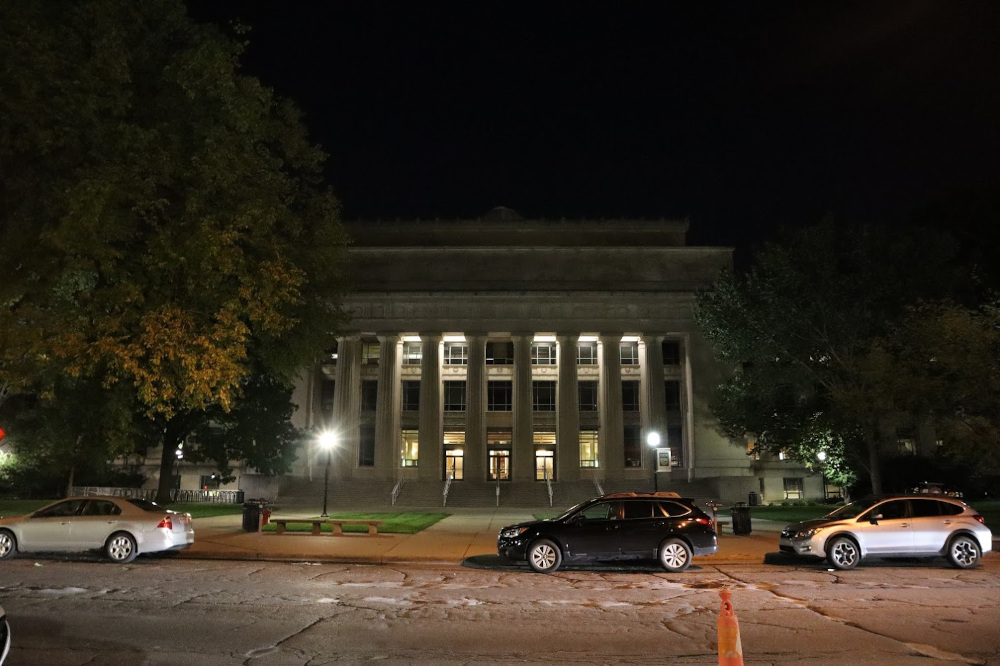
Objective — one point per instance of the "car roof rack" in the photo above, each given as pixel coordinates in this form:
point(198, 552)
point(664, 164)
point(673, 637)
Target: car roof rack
point(658, 493)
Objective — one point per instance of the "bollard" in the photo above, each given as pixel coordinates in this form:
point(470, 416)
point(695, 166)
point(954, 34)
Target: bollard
point(730, 647)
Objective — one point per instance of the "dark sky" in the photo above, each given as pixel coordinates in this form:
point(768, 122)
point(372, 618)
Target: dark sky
point(739, 116)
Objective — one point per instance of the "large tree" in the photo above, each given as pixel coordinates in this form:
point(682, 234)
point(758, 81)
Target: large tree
point(801, 331)
point(162, 222)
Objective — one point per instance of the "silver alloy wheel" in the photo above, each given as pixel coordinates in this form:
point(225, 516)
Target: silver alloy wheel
point(674, 555)
point(544, 556)
point(121, 548)
point(6, 544)
point(843, 554)
point(963, 552)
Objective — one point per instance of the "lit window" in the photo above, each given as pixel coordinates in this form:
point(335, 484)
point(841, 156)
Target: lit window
point(370, 351)
point(543, 353)
point(793, 487)
point(588, 448)
point(586, 353)
point(456, 353)
point(629, 353)
point(412, 353)
point(409, 448)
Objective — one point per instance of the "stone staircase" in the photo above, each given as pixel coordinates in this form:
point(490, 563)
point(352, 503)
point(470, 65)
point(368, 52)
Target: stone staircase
point(359, 495)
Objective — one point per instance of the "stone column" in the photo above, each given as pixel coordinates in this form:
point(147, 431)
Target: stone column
point(387, 410)
point(568, 418)
point(346, 407)
point(431, 437)
point(475, 409)
point(612, 440)
point(654, 407)
point(523, 435)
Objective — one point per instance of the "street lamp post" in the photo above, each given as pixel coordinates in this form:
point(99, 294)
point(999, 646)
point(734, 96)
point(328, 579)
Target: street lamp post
point(653, 439)
point(326, 440)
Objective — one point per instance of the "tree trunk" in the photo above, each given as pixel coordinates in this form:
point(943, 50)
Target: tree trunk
point(874, 460)
point(173, 434)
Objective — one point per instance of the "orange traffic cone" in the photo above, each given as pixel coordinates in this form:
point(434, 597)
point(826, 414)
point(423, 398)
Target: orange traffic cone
point(730, 648)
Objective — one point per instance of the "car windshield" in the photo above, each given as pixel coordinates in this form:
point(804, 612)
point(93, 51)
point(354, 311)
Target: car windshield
point(853, 510)
point(569, 512)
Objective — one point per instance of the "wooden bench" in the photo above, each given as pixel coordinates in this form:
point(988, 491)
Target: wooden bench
point(338, 523)
point(281, 523)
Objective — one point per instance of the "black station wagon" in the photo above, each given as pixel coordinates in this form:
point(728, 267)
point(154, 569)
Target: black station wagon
point(622, 526)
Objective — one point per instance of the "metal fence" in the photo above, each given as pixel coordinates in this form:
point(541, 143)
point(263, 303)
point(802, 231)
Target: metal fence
point(208, 496)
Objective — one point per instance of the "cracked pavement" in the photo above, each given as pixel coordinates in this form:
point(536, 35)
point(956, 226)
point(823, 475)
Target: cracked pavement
point(172, 611)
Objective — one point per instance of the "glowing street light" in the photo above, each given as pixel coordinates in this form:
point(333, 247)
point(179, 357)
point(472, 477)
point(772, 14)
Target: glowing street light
point(653, 439)
point(327, 440)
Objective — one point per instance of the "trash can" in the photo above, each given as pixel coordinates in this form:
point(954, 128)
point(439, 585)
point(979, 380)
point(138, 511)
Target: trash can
point(741, 518)
point(754, 498)
point(252, 510)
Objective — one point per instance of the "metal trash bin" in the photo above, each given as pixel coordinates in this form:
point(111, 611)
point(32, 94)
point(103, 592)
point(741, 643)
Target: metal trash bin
point(741, 518)
point(754, 498)
point(252, 510)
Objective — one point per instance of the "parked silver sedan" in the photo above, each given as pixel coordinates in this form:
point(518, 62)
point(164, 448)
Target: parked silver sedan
point(902, 525)
point(120, 527)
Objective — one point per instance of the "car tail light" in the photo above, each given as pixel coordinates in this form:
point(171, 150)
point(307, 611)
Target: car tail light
point(979, 518)
point(704, 521)
point(167, 523)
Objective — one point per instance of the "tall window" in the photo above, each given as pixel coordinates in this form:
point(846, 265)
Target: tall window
point(675, 440)
point(793, 487)
point(411, 395)
point(629, 353)
point(370, 350)
point(588, 448)
point(543, 396)
point(454, 396)
point(630, 396)
point(588, 396)
point(456, 353)
point(369, 395)
point(366, 447)
point(672, 389)
point(326, 391)
point(499, 396)
point(543, 353)
point(409, 448)
point(500, 353)
point(633, 446)
point(412, 353)
point(586, 353)
point(671, 352)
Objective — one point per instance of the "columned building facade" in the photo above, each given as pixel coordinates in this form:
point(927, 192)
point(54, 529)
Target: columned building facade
point(512, 351)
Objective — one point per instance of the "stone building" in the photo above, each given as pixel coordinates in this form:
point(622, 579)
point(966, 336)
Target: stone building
point(512, 357)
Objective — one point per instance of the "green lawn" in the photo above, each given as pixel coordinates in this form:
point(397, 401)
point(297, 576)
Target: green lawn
point(408, 522)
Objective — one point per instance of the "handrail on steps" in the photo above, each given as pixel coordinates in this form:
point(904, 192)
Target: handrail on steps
point(395, 491)
point(597, 484)
point(498, 491)
point(447, 487)
point(548, 482)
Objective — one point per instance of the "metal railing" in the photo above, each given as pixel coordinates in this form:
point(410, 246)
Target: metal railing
point(447, 487)
point(395, 491)
point(597, 484)
point(548, 482)
point(176, 495)
point(498, 491)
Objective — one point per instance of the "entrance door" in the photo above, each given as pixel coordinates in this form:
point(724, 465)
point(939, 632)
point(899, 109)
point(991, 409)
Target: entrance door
point(499, 464)
point(544, 464)
point(453, 464)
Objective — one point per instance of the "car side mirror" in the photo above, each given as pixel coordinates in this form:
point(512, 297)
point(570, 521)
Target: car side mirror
point(578, 519)
point(874, 519)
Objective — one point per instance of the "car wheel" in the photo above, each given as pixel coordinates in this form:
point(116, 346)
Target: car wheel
point(843, 553)
point(8, 544)
point(964, 552)
point(674, 555)
point(121, 548)
point(544, 556)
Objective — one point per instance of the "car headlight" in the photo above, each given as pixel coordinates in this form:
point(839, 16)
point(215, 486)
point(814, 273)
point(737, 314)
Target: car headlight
point(511, 532)
point(805, 534)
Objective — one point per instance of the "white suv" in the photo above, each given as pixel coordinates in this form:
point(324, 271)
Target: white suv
point(901, 526)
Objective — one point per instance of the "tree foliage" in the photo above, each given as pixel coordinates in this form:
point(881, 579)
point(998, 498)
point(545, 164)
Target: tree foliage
point(162, 222)
point(807, 332)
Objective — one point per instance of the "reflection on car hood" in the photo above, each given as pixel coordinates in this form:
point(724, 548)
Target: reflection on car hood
point(529, 523)
point(810, 524)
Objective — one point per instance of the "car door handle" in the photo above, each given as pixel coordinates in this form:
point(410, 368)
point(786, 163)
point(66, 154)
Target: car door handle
point(904, 524)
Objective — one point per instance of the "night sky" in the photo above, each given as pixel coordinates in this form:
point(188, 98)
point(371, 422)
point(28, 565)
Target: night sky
point(738, 116)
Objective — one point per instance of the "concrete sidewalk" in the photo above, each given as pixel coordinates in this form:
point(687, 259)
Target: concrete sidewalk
point(465, 534)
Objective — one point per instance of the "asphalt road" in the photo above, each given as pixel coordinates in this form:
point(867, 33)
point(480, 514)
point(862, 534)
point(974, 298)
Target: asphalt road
point(174, 611)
